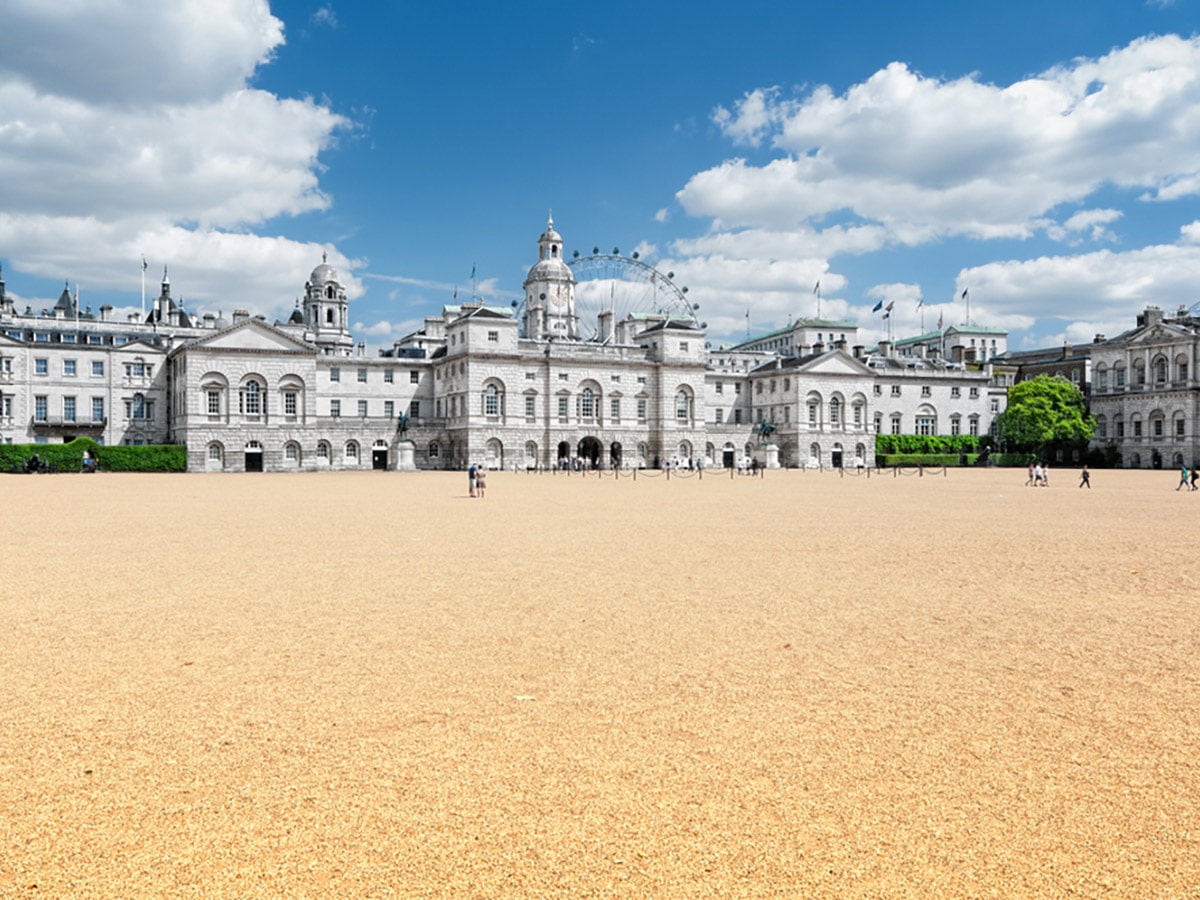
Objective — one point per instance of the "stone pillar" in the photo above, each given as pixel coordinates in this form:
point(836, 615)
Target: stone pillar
point(405, 456)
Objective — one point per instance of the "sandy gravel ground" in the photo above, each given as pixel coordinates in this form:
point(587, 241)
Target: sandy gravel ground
point(369, 685)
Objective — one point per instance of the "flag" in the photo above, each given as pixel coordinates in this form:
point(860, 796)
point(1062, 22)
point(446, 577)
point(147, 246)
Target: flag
point(817, 288)
point(920, 302)
point(144, 264)
point(456, 295)
point(964, 293)
point(886, 314)
point(472, 273)
point(877, 307)
point(939, 321)
point(890, 305)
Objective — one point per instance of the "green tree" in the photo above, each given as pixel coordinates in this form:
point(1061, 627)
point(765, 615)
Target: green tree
point(1043, 412)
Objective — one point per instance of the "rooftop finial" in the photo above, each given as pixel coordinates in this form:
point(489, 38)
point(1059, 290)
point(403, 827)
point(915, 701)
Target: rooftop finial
point(324, 256)
point(550, 221)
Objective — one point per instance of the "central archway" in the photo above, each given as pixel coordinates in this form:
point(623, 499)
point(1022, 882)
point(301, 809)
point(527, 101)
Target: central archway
point(589, 451)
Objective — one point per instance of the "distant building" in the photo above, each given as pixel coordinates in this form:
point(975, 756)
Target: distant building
point(530, 387)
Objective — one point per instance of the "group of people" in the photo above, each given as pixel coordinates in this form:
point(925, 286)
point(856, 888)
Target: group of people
point(1184, 478)
point(477, 480)
point(1039, 475)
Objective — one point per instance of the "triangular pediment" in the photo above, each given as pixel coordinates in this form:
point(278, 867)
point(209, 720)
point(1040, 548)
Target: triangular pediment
point(836, 362)
point(253, 334)
point(1157, 334)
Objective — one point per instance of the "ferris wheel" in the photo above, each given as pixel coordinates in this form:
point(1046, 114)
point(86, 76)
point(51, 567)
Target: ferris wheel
point(628, 287)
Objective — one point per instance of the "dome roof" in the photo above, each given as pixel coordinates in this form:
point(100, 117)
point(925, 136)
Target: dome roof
point(324, 272)
point(296, 318)
point(551, 270)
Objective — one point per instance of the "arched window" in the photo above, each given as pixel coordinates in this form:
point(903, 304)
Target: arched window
point(139, 406)
point(352, 452)
point(434, 450)
point(1102, 377)
point(323, 451)
point(491, 400)
point(291, 453)
point(1160, 370)
point(1139, 372)
point(587, 403)
point(683, 406)
point(250, 398)
point(835, 412)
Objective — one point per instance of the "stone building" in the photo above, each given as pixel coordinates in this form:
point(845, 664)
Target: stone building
point(531, 387)
point(1145, 393)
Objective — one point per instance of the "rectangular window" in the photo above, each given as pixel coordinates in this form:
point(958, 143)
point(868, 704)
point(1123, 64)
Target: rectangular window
point(389, 376)
point(530, 376)
point(1137, 428)
point(975, 425)
point(414, 409)
point(97, 409)
point(995, 405)
point(98, 368)
point(641, 379)
point(955, 425)
point(895, 393)
point(362, 376)
point(289, 403)
point(879, 390)
point(40, 407)
point(41, 367)
point(335, 374)
point(69, 409)
point(926, 390)
point(414, 377)
point(641, 409)
point(955, 392)
point(1158, 428)
point(389, 409)
point(974, 393)
point(69, 367)
point(683, 346)
point(530, 407)
point(214, 403)
point(895, 424)
point(562, 376)
point(493, 337)
point(720, 387)
point(562, 407)
point(335, 408)
point(362, 408)
point(68, 339)
point(1178, 428)
point(614, 408)
point(737, 417)
point(719, 415)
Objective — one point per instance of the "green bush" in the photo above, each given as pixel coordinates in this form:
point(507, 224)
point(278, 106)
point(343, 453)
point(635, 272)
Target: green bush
point(69, 457)
point(926, 443)
point(923, 459)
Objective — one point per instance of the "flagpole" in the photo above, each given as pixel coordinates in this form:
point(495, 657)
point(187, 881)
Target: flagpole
point(143, 289)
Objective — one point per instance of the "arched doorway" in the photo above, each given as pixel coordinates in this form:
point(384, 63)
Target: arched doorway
point(564, 454)
point(254, 456)
point(589, 452)
point(728, 456)
point(836, 456)
point(614, 455)
point(379, 455)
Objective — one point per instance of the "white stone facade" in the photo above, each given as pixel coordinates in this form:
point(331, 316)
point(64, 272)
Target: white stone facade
point(475, 385)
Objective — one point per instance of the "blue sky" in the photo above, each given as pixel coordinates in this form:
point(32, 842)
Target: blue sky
point(1044, 156)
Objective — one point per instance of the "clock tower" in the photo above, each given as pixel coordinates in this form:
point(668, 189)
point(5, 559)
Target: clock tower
point(550, 292)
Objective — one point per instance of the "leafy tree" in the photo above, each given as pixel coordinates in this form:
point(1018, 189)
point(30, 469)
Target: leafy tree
point(1045, 411)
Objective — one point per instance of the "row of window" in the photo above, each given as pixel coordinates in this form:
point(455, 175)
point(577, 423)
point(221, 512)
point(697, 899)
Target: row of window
point(43, 337)
point(1159, 369)
point(136, 407)
point(70, 368)
point(1158, 425)
point(389, 375)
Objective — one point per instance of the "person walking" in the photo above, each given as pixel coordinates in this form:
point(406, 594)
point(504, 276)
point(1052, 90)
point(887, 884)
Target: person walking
point(1029, 482)
point(1037, 475)
point(1195, 473)
point(1183, 478)
point(480, 481)
point(1085, 477)
point(472, 474)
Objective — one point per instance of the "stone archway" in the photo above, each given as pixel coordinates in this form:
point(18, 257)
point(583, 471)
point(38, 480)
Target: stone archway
point(589, 451)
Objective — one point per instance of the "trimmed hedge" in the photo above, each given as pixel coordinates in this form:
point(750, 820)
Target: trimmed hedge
point(884, 460)
point(942, 444)
point(69, 457)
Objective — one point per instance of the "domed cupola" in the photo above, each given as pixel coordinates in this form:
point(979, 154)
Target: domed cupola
point(326, 310)
point(550, 291)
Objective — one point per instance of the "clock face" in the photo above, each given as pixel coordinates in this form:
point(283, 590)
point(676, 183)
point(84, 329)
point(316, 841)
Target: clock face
point(557, 297)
